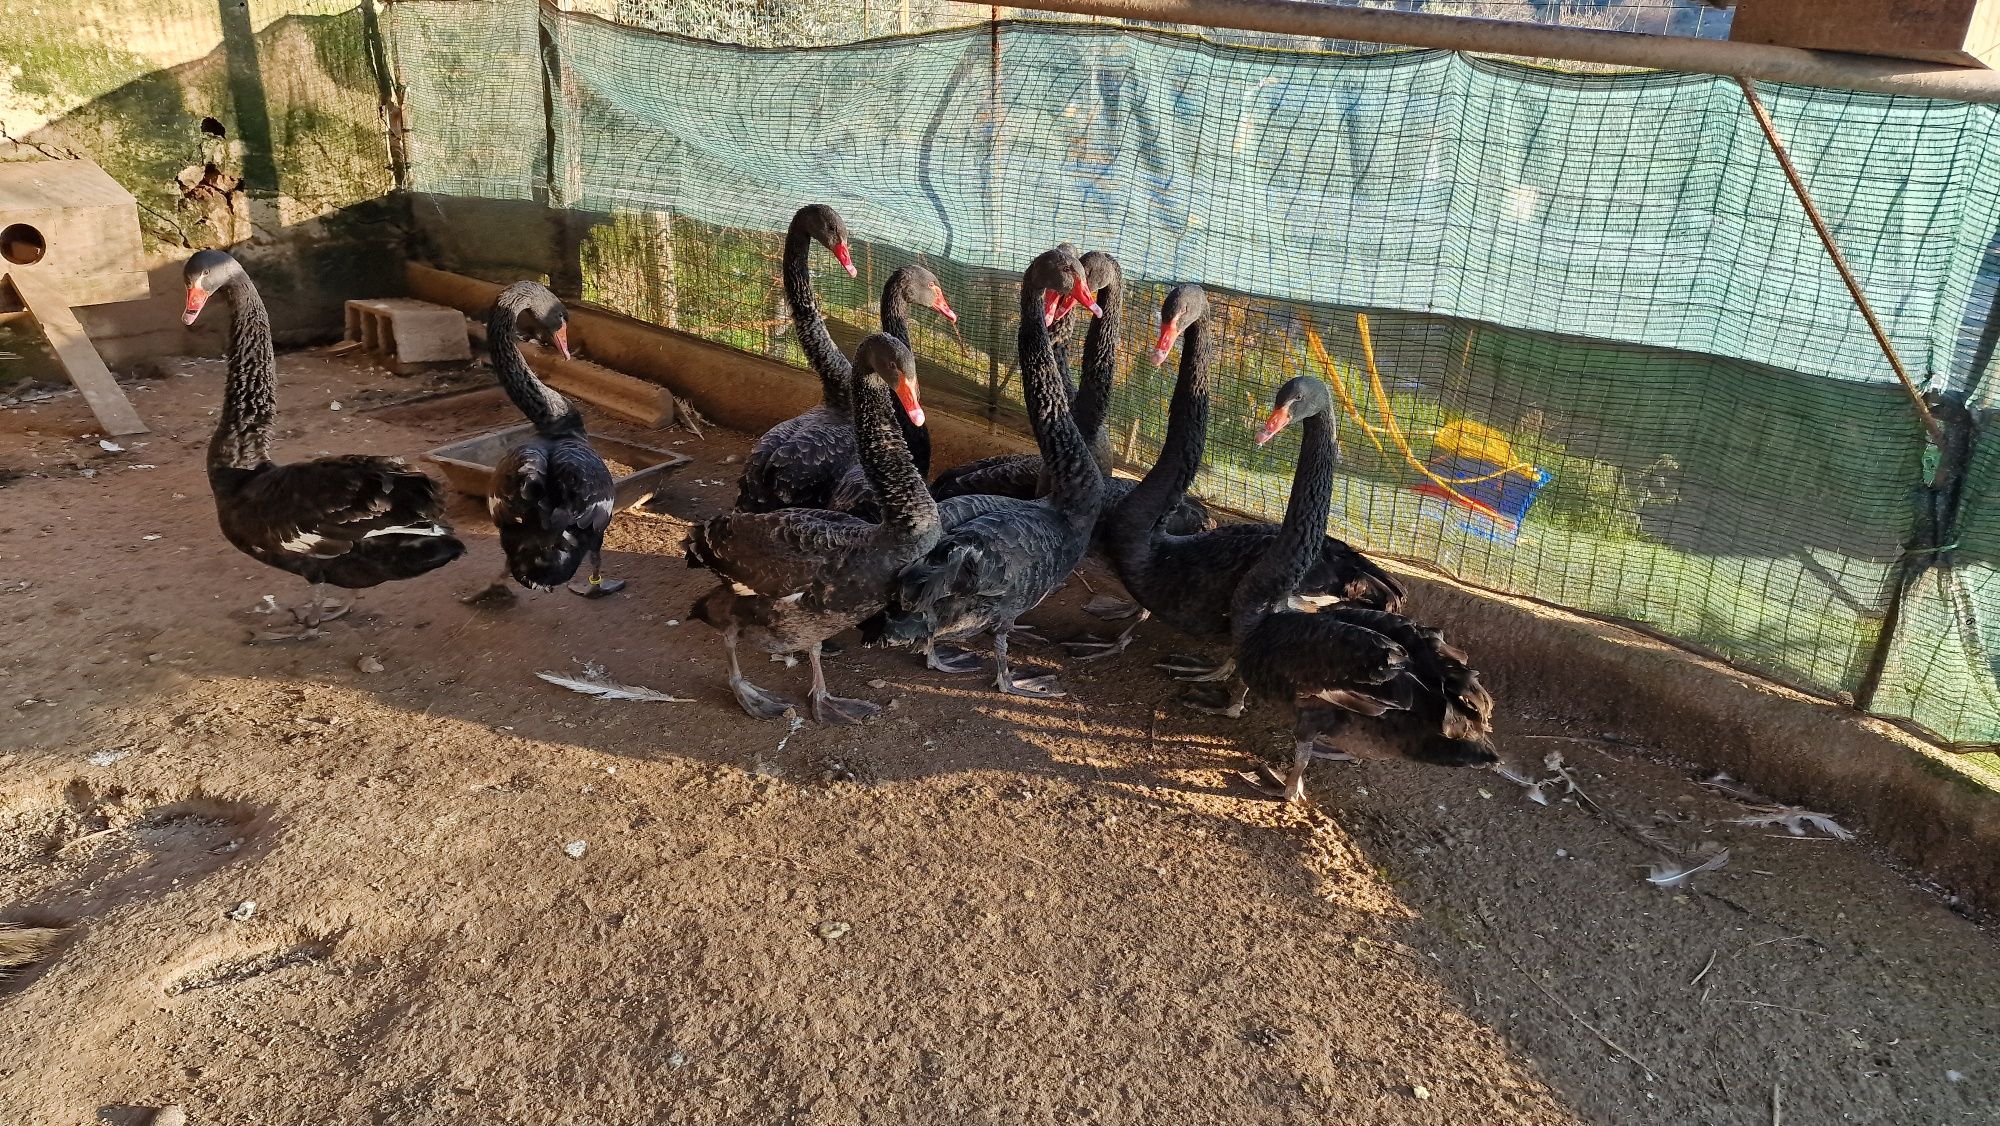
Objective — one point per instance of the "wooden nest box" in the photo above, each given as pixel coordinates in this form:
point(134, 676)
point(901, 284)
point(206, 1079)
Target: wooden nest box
point(1955, 32)
point(69, 236)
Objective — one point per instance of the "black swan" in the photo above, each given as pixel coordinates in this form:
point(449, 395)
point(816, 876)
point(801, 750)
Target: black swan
point(1021, 475)
point(797, 462)
point(991, 568)
point(352, 520)
point(799, 576)
point(910, 283)
point(1188, 581)
point(552, 494)
point(1346, 670)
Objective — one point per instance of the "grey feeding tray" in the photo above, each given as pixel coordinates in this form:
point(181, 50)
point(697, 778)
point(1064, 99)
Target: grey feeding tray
point(468, 463)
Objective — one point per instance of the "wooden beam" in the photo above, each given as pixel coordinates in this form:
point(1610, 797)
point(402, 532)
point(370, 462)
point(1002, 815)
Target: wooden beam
point(46, 302)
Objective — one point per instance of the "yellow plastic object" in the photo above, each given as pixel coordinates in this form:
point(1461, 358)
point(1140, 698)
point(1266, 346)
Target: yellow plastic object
point(1466, 438)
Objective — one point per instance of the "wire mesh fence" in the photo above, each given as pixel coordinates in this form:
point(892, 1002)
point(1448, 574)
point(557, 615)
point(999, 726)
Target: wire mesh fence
point(1606, 364)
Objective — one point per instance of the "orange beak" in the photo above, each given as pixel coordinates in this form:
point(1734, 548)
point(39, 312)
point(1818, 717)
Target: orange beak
point(1169, 333)
point(197, 297)
point(1279, 419)
point(845, 257)
point(561, 337)
point(906, 394)
point(943, 307)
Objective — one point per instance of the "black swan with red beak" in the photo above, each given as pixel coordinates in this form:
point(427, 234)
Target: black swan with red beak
point(553, 496)
point(1357, 679)
point(1022, 476)
point(992, 567)
point(800, 462)
point(352, 520)
point(799, 576)
point(1189, 581)
point(907, 285)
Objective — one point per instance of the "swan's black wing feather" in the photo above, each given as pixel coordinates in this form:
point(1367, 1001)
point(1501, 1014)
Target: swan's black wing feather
point(552, 500)
point(776, 554)
point(353, 520)
point(796, 463)
point(1288, 655)
point(1003, 475)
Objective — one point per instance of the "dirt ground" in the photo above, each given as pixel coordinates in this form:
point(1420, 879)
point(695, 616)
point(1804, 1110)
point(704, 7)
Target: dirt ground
point(970, 910)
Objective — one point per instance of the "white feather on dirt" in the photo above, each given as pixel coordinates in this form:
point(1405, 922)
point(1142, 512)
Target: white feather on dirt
point(1795, 819)
point(1674, 875)
point(1531, 788)
point(593, 683)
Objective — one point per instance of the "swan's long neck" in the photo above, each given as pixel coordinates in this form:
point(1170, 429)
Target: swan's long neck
point(243, 436)
point(1277, 576)
point(1100, 363)
point(821, 352)
point(1180, 454)
point(1077, 485)
point(545, 407)
point(896, 322)
point(907, 507)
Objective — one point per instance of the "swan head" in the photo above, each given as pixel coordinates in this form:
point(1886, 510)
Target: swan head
point(205, 274)
point(885, 358)
point(1184, 306)
point(533, 301)
point(1300, 398)
point(1057, 274)
point(1101, 270)
point(921, 286)
point(827, 228)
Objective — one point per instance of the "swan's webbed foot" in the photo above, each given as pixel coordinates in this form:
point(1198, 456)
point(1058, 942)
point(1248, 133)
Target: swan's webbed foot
point(829, 708)
point(842, 710)
point(1265, 780)
point(1110, 609)
point(597, 587)
point(1190, 667)
point(759, 704)
point(1038, 687)
point(1094, 650)
point(1218, 700)
point(300, 632)
point(321, 610)
point(306, 618)
point(949, 658)
point(756, 702)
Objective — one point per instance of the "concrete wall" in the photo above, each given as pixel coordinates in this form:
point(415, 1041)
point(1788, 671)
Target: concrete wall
point(253, 127)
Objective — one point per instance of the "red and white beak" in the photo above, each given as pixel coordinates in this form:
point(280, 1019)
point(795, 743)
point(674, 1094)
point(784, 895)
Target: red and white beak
point(1169, 332)
point(1086, 298)
point(197, 297)
point(845, 257)
point(1279, 419)
point(943, 307)
point(561, 337)
point(906, 394)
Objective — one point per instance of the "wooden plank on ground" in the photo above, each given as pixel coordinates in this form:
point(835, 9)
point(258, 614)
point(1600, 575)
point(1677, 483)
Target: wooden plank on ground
point(49, 306)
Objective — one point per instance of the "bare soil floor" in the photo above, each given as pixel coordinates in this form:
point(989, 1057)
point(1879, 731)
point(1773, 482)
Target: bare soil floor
point(971, 910)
